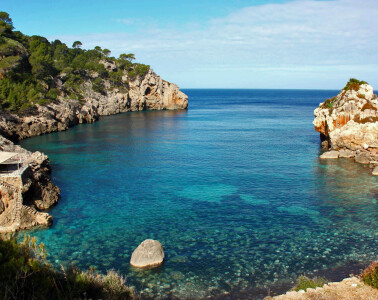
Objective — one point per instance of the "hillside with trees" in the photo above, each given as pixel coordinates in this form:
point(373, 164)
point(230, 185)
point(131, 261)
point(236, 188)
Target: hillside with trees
point(34, 70)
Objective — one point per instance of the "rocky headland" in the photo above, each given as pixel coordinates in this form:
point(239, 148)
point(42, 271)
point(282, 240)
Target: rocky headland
point(149, 92)
point(25, 195)
point(348, 125)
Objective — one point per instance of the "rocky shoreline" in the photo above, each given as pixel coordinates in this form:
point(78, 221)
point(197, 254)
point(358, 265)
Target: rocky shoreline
point(348, 288)
point(348, 125)
point(25, 195)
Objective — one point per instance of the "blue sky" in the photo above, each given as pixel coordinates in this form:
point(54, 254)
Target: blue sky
point(221, 44)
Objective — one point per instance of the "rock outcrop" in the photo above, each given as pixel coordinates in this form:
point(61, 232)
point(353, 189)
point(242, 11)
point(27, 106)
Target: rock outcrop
point(148, 92)
point(348, 123)
point(24, 195)
point(149, 253)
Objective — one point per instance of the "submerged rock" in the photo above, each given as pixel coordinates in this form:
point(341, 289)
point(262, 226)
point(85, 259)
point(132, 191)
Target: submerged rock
point(149, 253)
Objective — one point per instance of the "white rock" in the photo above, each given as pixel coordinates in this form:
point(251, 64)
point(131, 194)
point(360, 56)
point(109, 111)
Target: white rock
point(330, 154)
point(148, 254)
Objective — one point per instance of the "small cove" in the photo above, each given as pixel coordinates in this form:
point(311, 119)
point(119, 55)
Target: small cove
point(233, 188)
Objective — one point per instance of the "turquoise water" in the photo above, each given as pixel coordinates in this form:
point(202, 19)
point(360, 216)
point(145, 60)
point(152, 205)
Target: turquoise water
point(232, 188)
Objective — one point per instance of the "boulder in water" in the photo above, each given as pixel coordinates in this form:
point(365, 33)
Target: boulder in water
point(149, 253)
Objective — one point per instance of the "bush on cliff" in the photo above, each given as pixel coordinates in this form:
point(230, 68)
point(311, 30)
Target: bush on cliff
point(304, 283)
point(26, 274)
point(370, 275)
point(41, 66)
point(354, 84)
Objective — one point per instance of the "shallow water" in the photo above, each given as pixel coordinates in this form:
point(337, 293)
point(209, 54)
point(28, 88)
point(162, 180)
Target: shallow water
point(233, 188)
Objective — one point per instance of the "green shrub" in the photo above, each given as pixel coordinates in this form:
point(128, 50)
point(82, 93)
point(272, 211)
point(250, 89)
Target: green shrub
point(26, 274)
point(329, 102)
point(138, 70)
point(304, 283)
point(98, 86)
point(370, 275)
point(354, 84)
point(53, 93)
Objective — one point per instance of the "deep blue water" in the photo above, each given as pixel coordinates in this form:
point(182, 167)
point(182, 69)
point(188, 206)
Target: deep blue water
point(232, 188)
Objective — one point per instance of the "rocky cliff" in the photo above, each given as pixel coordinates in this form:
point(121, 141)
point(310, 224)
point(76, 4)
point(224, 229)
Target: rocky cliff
point(23, 195)
point(23, 198)
point(148, 92)
point(348, 124)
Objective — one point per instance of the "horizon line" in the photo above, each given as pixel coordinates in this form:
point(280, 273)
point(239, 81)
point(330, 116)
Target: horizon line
point(296, 89)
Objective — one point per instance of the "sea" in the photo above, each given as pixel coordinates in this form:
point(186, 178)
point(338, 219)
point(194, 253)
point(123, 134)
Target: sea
point(233, 188)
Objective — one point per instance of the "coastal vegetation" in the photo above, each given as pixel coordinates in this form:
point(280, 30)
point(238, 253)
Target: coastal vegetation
point(304, 283)
point(370, 275)
point(329, 102)
point(354, 84)
point(36, 71)
point(25, 273)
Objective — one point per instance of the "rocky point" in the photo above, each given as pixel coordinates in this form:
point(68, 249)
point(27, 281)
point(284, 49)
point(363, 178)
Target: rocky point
point(348, 124)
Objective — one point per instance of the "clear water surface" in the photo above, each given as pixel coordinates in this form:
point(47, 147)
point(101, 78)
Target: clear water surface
point(233, 188)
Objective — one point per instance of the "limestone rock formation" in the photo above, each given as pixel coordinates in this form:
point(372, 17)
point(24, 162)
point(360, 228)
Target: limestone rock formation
point(23, 196)
point(149, 253)
point(149, 92)
point(41, 192)
point(348, 123)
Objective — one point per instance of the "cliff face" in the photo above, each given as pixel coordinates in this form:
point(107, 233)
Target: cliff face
point(348, 124)
point(22, 198)
point(149, 92)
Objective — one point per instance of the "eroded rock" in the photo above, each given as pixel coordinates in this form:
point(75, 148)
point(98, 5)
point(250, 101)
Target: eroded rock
point(348, 123)
point(33, 187)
